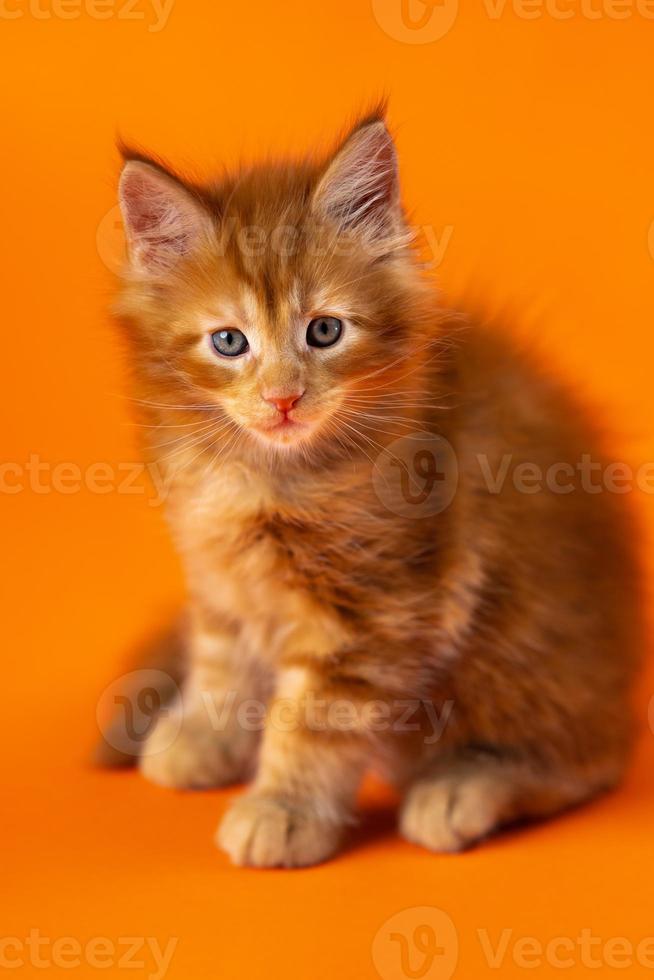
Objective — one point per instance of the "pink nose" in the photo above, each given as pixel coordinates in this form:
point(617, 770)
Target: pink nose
point(283, 403)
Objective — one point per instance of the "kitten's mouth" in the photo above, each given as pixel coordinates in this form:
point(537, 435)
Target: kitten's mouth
point(284, 429)
point(286, 422)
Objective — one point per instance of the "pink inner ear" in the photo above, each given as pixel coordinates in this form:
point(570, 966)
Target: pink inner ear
point(143, 216)
point(373, 191)
point(360, 187)
point(162, 220)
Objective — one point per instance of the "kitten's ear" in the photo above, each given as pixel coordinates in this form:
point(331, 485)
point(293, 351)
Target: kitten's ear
point(360, 188)
point(163, 220)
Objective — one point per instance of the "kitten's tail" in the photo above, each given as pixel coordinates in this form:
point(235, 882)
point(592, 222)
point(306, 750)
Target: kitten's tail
point(128, 706)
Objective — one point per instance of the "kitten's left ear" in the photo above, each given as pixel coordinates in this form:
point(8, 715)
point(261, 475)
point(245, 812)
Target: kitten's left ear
point(164, 221)
point(360, 188)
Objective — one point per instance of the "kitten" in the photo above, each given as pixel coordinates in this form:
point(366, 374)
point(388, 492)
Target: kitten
point(332, 440)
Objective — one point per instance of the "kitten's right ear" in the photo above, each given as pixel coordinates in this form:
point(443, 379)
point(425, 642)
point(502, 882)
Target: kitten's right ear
point(359, 190)
point(163, 220)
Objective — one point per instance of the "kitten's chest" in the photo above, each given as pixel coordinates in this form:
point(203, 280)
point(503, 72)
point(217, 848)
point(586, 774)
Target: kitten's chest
point(246, 560)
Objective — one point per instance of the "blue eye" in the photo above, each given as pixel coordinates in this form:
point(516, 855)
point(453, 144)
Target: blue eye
point(324, 331)
point(229, 343)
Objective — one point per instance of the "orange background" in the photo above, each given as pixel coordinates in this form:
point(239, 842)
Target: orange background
point(531, 139)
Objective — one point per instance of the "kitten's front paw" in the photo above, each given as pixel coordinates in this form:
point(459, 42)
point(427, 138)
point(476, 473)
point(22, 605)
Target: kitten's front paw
point(189, 754)
point(268, 832)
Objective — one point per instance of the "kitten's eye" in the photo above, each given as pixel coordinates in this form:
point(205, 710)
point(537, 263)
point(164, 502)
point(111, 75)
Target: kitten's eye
point(229, 343)
point(324, 331)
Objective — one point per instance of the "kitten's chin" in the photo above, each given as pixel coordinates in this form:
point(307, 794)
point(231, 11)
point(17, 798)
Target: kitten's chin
point(286, 435)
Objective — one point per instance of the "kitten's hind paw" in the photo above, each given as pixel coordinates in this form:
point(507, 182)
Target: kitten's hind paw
point(450, 814)
point(468, 799)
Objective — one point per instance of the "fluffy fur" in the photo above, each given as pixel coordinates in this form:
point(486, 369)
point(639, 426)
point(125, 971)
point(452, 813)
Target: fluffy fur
point(513, 615)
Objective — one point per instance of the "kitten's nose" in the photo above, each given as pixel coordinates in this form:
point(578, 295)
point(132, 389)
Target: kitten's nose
point(283, 403)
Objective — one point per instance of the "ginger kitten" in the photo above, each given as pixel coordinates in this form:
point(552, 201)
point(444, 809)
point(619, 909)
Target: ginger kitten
point(286, 348)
